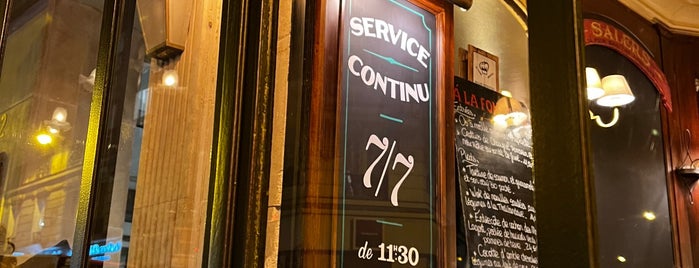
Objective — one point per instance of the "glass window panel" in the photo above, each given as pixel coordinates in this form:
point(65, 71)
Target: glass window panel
point(629, 168)
point(162, 118)
point(496, 220)
point(45, 94)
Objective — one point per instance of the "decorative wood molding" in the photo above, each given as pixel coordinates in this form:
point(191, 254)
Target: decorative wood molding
point(601, 33)
point(679, 16)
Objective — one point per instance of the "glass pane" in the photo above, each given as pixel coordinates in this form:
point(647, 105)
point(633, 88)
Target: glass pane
point(45, 93)
point(629, 168)
point(495, 215)
point(160, 131)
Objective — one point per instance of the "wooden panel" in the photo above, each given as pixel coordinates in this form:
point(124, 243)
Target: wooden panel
point(560, 136)
point(680, 57)
point(318, 224)
point(321, 194)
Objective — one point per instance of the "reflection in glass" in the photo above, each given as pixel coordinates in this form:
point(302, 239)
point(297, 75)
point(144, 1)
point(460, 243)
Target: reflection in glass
point(161, 125)
point(496, 27)
point(629, 171)
point(51, 48)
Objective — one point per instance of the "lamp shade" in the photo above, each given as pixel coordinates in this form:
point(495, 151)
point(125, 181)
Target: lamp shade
point(594, 84)
point(617, 91)
point(508, 112)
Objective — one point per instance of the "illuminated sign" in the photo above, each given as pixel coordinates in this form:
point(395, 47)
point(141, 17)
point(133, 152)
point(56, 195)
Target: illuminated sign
point(110, 247)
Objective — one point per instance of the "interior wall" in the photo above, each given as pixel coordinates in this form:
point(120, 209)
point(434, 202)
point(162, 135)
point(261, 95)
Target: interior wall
point(681, 58)
point(493, 27)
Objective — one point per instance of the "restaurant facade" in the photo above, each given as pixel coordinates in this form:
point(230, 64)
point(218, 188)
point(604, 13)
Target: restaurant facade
point(347, 133)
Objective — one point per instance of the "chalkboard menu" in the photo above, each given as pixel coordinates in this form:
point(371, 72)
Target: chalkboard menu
point(495, 182)
point(387, 142)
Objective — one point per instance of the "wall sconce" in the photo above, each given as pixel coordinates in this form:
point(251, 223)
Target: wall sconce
point(58, 121)
point(688, 169)
point(508, 112)
point(53, 127)
point(165, 24)
point(611, 91)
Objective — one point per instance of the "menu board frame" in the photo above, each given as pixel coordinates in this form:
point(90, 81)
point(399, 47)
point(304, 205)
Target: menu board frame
point(495, 181)
point(442, 134)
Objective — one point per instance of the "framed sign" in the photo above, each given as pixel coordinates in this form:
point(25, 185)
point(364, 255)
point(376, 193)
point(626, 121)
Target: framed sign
point(391, 133)
point(483, 68)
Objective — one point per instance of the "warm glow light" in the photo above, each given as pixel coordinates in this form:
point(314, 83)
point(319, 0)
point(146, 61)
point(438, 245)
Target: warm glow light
point(170, 78)
point(649, 215)
point(617, 91)
point(598, 119)
point(506, 93)
point(44, 138)
point(60, 114)
point(53, 130)
point(500, 121)
point(621, 258)
point(508, 112)
point(594, 84)
point(518, 118)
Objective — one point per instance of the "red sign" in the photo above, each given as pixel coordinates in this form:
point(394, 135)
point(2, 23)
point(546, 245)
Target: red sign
point(600, 33)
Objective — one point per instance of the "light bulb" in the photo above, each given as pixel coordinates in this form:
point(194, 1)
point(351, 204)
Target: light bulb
point(44, 138)
point(649, 215)
point(60, 114)
point(170, 78)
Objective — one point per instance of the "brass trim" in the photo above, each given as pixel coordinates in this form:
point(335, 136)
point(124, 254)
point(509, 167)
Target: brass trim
point(4, 21)
point(3, 122)
point(105, 58)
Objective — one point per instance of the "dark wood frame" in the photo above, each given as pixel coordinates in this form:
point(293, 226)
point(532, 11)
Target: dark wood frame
point(563, 177)
point(318, 135)
point(237, 208)
point(446, 194)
